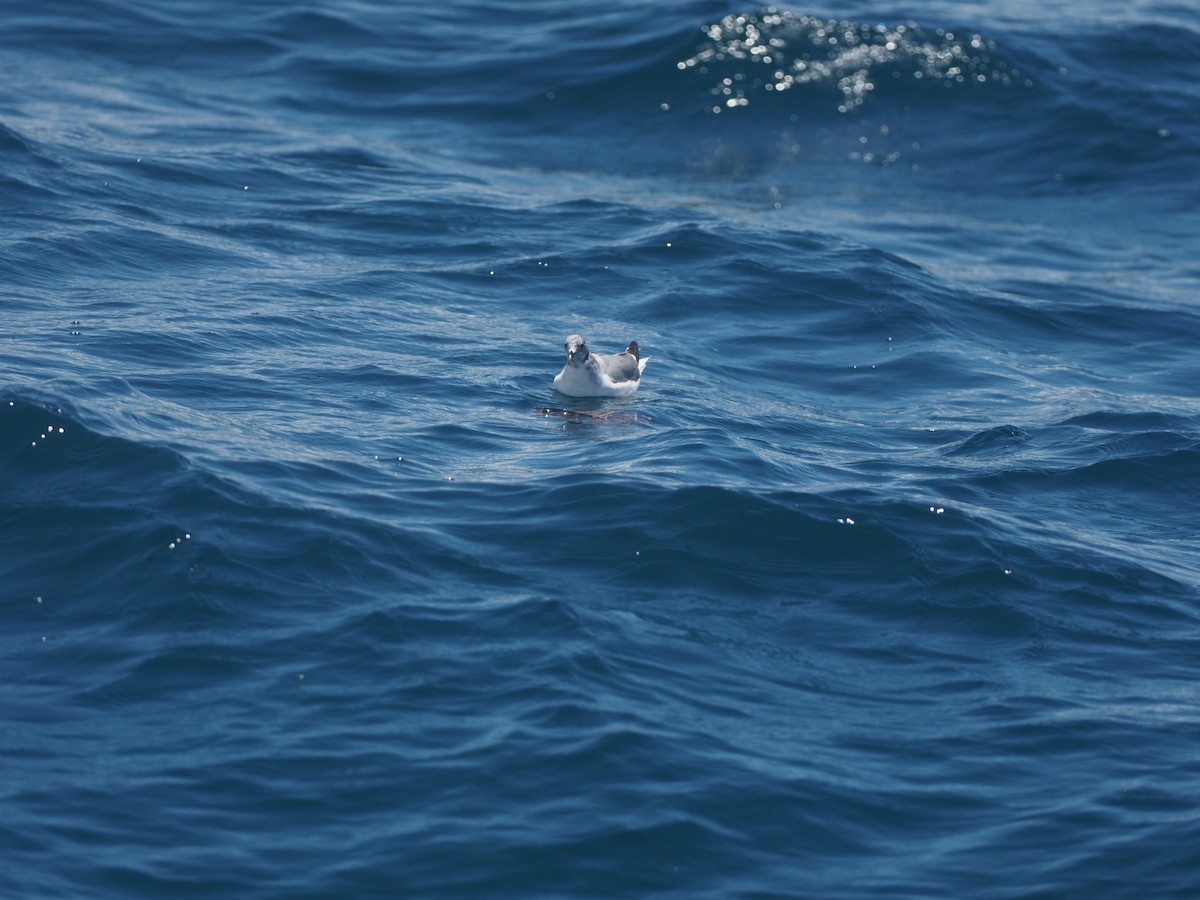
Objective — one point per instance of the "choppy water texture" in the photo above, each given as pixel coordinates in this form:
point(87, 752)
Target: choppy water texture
point(885, 583)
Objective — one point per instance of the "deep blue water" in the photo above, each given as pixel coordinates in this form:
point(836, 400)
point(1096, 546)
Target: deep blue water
point(886, 583)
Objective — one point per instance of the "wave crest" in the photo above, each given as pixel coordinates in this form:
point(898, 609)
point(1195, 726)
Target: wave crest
point(775, 51)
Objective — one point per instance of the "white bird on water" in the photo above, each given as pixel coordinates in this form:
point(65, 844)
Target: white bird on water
point(588, 374)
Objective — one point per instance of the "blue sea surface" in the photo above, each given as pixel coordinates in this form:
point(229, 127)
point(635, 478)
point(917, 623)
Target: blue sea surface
point(886, 582)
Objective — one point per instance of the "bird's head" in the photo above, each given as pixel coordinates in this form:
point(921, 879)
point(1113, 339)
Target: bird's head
point(577, 350)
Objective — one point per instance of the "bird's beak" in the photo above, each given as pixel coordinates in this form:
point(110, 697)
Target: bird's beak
point(571, 356)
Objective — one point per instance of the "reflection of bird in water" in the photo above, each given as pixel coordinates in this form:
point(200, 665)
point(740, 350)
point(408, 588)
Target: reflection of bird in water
point(594, 416)
point(588, 374)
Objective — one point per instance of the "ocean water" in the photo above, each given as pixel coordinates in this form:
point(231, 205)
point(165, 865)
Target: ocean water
point(885, 583)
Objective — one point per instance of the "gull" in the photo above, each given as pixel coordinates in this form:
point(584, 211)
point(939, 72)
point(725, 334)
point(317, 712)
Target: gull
point(588, 374)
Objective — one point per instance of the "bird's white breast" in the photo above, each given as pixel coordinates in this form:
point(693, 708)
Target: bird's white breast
point(578, 381)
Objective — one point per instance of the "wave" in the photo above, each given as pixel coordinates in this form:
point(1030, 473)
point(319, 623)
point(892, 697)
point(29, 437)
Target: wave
point(1044, 109)
point(1037, 110)
point(425, 634)
point(773, 52)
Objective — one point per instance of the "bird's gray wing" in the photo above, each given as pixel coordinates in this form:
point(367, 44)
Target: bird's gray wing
point(620, 366)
